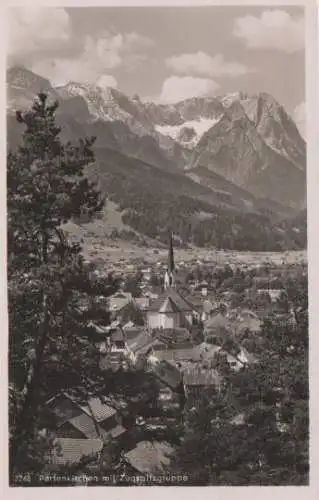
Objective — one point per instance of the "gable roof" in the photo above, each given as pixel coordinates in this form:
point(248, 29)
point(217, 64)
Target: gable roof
point(201, 377)
point(179, 302)
point(150, 456)
point(132, 333)
point(176, 355)
point(71, 450)
point(218, 322)
point(141, 341)
point(118, 303)
point(168, 306)
point(100, 410)
point(85, 425)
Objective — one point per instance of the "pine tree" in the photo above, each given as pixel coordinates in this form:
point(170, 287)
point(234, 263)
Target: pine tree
point(49, 340)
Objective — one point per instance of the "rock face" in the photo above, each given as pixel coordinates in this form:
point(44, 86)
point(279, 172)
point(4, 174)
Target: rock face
point(250, 155)
point(249, 140)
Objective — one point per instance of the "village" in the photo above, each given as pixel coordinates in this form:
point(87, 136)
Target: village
point(171, 331)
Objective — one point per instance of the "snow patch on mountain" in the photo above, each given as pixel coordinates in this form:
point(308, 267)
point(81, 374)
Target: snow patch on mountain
point(176, 131)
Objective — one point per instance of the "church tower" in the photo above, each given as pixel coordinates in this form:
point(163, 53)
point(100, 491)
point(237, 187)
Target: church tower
point(169, 278)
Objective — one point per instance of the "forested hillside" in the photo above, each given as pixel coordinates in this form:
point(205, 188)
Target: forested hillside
point(152, 201)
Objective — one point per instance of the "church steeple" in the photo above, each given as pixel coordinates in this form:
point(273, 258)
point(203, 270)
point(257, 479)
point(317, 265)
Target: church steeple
point(169, 279)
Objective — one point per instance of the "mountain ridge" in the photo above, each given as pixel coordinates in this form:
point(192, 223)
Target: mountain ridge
point(265, 156)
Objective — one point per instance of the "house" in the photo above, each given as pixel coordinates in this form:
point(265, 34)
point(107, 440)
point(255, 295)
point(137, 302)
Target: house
point(246, 320)
point(205, 352)
point(142, 303)
point(117, 340)
point(199, 381)
point(246, 358)
point(129, 326)
point(275, 293)
point(171, 394)
point(93, 420)
point(150, 457)
point(112, 350)
point(207, 309)
point(173, 336)
point(113, 361)
point(178, 357)
point(151, 295)
point(70, 451)
point(139, 345)
point(216, 326)
point(99, 332)
point(118, 302)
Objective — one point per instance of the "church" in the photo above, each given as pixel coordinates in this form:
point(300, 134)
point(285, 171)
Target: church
point(170, 310)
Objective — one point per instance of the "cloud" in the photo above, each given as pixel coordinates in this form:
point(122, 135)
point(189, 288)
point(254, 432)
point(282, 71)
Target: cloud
point(37, 34)
point(177, 88)
point(32, 30)
point(299, 117)
point(274, 30)
point(202, 64)
point(99, 56)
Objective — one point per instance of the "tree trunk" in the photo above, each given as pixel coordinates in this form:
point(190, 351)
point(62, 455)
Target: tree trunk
point(25, 419)
point(27, 414)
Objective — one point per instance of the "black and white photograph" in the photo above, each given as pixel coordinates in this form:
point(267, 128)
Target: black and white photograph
point(157, 274)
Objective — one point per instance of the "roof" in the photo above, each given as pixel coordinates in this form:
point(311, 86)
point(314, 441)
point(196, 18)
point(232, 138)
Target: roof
point(117, 303)
point(168, 374)
point(199, 376)
point(253, 324)
point(101, 411)
point(217, 322)
point(261, 280)
point(207, 306)
point(129, 325)
point(246, 356)
point(186, 354)
point(205, 351)
point(116, 431)
point(98, 328)
point(117, 335)
point(150, 457)
point(71, 450)
point(112, 361)
point(238, 419)
point(85, 424)
point(168, 306)
point(142, 302)
point(63, 408)
point(142, 341)
point(172, 335)
point(180, 303)
point(132, 333)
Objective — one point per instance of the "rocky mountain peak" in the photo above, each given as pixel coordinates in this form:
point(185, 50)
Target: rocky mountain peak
point(248, 139)
point(24, 79)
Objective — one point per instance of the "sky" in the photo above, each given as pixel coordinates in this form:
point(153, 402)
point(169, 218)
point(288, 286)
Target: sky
point(167, 54)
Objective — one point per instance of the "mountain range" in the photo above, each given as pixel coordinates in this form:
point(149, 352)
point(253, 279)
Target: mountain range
point(237, 152)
